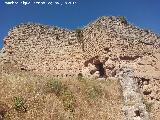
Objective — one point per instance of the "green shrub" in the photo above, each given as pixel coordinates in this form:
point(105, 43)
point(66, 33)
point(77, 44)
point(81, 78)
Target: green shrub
point(63, 93)
point(55, 86)
point(20, 104)
point(94, 92)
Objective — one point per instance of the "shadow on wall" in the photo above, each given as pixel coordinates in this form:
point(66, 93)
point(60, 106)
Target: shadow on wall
point(98, 67)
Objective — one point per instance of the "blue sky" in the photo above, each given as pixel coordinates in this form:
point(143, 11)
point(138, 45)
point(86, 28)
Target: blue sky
point(142, 13)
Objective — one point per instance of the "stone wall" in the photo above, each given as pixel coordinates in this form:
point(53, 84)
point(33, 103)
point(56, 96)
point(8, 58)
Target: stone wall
point(109, 36)
point(111, 40)
point(43, 49)
point(116, 43)
point(134, 107)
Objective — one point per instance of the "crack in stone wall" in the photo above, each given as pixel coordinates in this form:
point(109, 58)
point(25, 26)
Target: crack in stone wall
point(134, 108)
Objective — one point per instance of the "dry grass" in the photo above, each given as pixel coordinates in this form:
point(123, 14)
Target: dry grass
point(33, 97)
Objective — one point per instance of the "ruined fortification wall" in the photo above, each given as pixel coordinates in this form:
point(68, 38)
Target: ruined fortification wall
point(110, 36)
point(43, 49)
point(60, 52)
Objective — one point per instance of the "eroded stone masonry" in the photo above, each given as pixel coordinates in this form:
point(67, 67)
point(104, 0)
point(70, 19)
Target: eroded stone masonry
point(102, 47)
point(98, 50)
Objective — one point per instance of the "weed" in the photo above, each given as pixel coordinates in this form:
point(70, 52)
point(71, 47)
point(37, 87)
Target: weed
point(103, 18)
point(79, 35)
point(148, 106)
point(19, 104)
point(123, 19)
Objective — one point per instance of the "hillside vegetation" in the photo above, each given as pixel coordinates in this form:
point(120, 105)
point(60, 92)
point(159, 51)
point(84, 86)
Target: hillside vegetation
point(26, 96)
